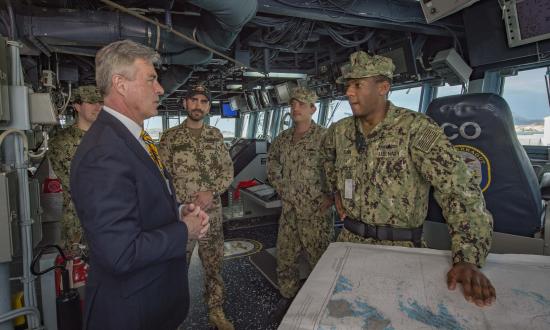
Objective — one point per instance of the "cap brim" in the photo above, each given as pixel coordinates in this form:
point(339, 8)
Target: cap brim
point(198, 93)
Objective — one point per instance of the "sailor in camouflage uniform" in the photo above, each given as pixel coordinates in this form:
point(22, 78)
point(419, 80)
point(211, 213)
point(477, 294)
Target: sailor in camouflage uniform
point(381, 163)
point(87, 104)
point(195, 155)
point(295, 171)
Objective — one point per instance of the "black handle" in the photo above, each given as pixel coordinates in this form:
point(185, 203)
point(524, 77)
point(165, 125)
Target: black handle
point(42, 251)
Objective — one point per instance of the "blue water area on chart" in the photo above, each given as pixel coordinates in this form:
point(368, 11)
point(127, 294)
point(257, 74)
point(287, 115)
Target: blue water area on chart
point(343, 284)
point(441, 319)
point(537, 297)
point(358, 308)
point(340, 307)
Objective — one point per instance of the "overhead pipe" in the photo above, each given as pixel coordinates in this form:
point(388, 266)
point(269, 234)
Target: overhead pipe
point(220, 32)
point(174, 77)
point(13, 28)
point(217, 28)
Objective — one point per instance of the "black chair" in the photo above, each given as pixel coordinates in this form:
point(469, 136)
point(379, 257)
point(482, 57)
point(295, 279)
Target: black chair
point(482, 129)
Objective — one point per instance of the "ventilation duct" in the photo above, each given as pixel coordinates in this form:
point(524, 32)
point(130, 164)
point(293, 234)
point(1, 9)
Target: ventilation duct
point(83, 32)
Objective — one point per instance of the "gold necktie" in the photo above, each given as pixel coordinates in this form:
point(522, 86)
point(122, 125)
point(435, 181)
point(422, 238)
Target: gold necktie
point(152, 148)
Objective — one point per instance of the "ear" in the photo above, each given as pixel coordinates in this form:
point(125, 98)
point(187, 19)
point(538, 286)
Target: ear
point(119, 84)
point(77, 107)
point(209, 107)
point(383, 88)
point(313, 108)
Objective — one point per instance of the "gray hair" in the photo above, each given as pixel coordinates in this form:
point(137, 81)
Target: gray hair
point(117, 58)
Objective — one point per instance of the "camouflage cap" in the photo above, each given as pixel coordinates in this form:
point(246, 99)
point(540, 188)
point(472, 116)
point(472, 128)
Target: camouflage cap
point(304, 95)
point(198, 89)
point(363, 65)
point(88, 94)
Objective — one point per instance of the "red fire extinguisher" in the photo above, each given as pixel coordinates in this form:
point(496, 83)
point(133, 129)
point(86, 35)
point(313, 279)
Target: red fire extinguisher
point(68, 305)
point(52, 186)
point(78, 271)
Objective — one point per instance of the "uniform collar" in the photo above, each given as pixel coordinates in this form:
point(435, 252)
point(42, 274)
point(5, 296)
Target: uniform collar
point(187, 129)
point(74, 127)
point(386, 123)
point(314, 127)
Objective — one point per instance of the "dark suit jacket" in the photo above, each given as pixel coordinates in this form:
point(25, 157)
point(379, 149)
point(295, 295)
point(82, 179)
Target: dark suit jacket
point(138, 270)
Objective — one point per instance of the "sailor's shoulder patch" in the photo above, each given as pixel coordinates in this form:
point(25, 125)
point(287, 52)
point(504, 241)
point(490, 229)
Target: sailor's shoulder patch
point(427, 138)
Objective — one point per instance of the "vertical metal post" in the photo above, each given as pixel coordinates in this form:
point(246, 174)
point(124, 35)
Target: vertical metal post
point(547, 81)
point(165, 122)
point(252, 125)
point(265, 124)
point(493, 82)
point(238, 126)
point(323, 111)
point(275, 125)
point(427, 94)
point(18, 152)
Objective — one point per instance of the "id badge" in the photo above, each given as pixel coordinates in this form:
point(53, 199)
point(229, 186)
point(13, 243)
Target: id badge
point(348, 189)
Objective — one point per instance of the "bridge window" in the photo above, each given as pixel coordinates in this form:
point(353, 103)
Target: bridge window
point(406, 98)
point(315, 116)
point(153, 126)
point(270, 115)
point(284, 121)
point(246, 121)
point(337, 110)
point(447, 90)
point(527, 97)
point(225, 125)
point(260, 118)
point(175, 120)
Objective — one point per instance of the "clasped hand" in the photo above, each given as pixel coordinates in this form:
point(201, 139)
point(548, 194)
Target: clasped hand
point(196, 220)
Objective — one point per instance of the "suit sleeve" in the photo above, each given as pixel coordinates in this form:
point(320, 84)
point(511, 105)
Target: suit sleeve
point(457, 192)
point(106, 197)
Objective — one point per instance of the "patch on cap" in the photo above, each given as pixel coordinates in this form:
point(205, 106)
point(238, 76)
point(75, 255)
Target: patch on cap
point(363, 65)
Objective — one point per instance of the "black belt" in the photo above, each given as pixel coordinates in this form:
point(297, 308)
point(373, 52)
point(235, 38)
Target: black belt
point(384, 233)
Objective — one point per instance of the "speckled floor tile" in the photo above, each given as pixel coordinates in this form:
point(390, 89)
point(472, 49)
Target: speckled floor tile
point(250, 298)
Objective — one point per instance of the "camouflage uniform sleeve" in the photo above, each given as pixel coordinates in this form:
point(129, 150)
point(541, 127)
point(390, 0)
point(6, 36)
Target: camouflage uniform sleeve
point(328, 159)
point(457, 192)
point(325, 187)
point(58, 160)
point(275, 166)
point(165, 152)
point(224, 175)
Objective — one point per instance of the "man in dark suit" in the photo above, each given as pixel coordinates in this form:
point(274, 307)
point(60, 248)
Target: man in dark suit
point(124, 198)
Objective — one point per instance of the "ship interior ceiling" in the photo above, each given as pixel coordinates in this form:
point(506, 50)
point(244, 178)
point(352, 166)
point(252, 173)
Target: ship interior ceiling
point(313, 38)
point(250, 54)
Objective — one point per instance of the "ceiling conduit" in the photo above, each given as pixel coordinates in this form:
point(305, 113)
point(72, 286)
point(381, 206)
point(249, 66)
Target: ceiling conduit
point(83, 32)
